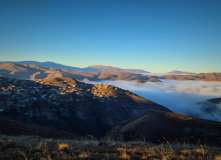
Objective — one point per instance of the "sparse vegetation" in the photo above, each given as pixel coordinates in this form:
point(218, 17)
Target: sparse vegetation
point(28, 147)
point(63, 146)
point(84, 154)
point(124, 154)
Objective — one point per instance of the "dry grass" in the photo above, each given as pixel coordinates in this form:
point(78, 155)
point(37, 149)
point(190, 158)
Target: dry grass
point(218, 157)
point(62, 146)
point(84, 155)
point(124, 155)
point(27, 147)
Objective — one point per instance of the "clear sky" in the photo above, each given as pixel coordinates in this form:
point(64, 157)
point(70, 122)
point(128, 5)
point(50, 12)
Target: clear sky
point(154, 35)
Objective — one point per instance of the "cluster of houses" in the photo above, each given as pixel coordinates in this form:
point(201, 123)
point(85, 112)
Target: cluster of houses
point(25, 93)
point(104, 91)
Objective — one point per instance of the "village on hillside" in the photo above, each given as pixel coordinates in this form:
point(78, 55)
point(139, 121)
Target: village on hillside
point(19, 93)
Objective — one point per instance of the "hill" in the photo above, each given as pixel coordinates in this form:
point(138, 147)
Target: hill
point(157, 125)
point(66, 104)
point(215, 100)
point(12, 127)
point(212, 108)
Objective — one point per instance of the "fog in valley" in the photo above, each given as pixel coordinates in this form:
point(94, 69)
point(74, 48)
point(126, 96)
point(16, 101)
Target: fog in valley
point(179, 96)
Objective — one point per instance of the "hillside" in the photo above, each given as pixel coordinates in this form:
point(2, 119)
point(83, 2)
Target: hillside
point(156, 125)
point(215, 100)
point(211, 107)
point(66, 104)
point(12, 127)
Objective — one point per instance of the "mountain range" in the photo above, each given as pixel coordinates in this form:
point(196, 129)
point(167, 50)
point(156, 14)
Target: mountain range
point(94, 68)
point(27, 71)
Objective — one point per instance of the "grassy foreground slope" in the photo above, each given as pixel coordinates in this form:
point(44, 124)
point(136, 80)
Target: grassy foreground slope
point(28, 147)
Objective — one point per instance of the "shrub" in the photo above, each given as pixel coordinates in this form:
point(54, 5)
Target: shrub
point(63, 146)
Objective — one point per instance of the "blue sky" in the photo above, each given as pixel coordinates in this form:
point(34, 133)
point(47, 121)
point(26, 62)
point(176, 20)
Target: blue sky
point(154, 35)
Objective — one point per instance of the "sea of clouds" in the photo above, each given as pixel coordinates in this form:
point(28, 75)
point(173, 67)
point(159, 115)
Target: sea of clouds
point(181, 97)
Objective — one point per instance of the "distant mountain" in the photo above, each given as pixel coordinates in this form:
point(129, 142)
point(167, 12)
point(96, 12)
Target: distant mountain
point(216, 76)
point(28, 71)
point(174, 72)
point(54, 65)
point(156, 126)
point(113, 69)
point(95, 68)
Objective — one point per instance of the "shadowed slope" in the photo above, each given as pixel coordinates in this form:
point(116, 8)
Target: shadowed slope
point(156, 125)
point(11, 127)
point(212, 108)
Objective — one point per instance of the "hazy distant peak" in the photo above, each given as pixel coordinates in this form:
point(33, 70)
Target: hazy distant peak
point(111, 68)
point(102, 67)
point(180, 72)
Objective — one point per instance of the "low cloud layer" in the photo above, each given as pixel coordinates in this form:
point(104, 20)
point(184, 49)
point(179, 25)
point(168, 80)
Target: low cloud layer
point(179, 96)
